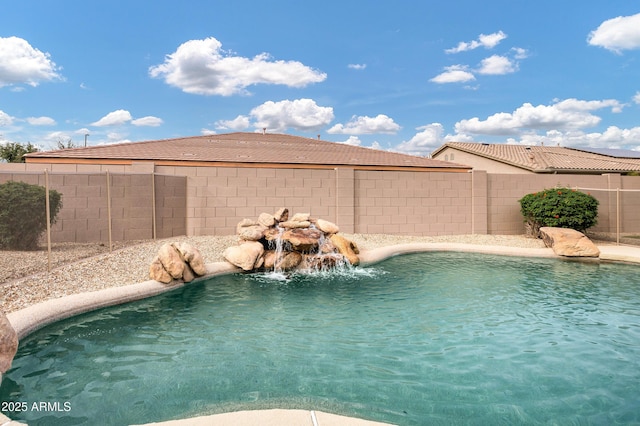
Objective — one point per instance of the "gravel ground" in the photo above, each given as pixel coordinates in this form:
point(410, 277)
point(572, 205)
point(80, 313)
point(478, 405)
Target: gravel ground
point(77, 268)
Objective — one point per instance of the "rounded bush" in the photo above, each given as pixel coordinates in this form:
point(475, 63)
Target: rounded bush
point(559, 207)
point(23, 216)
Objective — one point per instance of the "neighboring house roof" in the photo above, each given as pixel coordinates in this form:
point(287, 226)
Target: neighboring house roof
point(609, 152)
point(546, 159)
point(243, 148)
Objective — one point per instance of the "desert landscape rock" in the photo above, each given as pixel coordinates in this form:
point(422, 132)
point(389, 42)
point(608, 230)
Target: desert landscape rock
point(568, 242)
point(177, 261)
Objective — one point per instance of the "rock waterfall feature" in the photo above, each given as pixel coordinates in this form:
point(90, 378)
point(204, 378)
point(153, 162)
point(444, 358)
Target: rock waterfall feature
point(279, 243)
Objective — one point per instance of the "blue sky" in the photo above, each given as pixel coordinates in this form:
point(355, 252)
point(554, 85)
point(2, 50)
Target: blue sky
point(399, 75)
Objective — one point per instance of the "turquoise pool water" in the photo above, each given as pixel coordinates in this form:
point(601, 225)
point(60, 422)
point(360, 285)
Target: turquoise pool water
point(432, 338)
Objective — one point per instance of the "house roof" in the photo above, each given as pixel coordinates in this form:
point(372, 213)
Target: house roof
point(610, 152)
point(244, 148)
point(547, 159)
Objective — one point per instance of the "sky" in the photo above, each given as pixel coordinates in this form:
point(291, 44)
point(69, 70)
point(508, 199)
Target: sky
point(401, 75)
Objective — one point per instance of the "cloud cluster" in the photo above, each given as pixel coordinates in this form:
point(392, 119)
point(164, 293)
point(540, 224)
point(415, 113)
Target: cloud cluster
point(361, 125)
point(20, 63)
point(569, 114)
point(617, 34)
point(202, 67)
point(488, 41)
point(121, 116)
point(299, 114)
point(492, 65)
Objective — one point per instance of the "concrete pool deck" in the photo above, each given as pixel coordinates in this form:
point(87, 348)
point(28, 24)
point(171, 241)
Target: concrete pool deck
point(30, 319)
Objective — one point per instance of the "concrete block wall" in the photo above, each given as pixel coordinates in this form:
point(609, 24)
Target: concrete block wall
point(412, 203)
point(201, 200)
point(84, 216)
point(219, 197)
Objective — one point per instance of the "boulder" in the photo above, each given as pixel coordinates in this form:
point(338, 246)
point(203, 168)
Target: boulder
point(158, 273)
point(303, 240)
point(322, 261)
point(192, 256)
point(267, 220)
point(301, 217)
point(288, 261)
point(327, 227)
point(282, 215)
point(291, 224)
point(171, 260)
point(246, 256)
point(568, 242)
point(8, 343)
point(250, 230)
point(188, 275)
point(346, 248)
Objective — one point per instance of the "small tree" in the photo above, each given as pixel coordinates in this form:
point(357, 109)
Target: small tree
point(559, 207)
point(23, 216)
point(13, 152)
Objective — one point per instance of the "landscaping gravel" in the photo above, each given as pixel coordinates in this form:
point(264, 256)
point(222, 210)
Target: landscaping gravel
point(77, 268)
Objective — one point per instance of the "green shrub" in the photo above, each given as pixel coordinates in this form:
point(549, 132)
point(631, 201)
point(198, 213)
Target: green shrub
point(559, 207)
point(23, 216)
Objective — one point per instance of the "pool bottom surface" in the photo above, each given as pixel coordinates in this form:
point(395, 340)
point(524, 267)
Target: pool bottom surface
point(439, 338)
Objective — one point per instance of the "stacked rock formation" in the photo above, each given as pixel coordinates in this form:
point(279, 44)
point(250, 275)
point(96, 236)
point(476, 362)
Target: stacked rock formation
point(275, 242)
point(177, 261)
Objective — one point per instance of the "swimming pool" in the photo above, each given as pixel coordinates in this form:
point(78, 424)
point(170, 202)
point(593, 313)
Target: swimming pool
point(422, 338)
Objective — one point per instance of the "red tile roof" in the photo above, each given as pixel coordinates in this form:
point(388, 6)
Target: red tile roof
point(262, 148)
point(547, 159)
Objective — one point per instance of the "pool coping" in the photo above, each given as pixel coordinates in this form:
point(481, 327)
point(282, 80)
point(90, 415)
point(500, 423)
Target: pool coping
point(34, 317)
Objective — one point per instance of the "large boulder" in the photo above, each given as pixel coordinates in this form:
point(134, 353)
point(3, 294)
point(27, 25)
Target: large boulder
point(267, 220)
point(285, 261)
point(158, 273)
point(282, 215)
point(246, 256)
point(250, 230)
point(171, 260)
point(568, 242)
point(8, 343)
point(192, 256)
point(346, 248)
point(302, 240)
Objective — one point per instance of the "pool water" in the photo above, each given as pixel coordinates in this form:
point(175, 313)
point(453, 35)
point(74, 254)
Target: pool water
point(431, 338)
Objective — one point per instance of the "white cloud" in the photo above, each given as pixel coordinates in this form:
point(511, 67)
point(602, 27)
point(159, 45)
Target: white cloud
point(497, 65)
point(5, 119)
point(617, 34)
point(520, 53)
point(41, 121)
point(569, 114)
point(488, 41)
point(114, 118)
point(636, 98)
point(357, 66)
point(366, 125)
point(454, 74)
point(612, 137)
point(148, 121)
point(20, 63)
point(202, 67)
point(241, 122)
point(299, 114)
point(353, 140)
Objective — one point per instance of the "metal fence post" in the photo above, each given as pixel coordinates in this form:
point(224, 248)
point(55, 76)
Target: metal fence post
point(109, 209)
point(48, 214)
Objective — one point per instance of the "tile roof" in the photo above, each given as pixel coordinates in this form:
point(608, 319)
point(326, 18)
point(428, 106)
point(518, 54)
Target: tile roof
point(262, 148)
point(547, 159)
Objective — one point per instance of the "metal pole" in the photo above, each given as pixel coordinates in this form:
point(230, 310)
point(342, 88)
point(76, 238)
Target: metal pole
point(109, 209)
point(153, 202)
point(47, 206)
point(618, 216)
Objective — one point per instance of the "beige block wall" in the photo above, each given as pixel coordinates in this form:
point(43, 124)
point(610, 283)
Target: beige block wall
point(84, 216)
point(219, 197)
point(212, 200)
point(412, 203)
